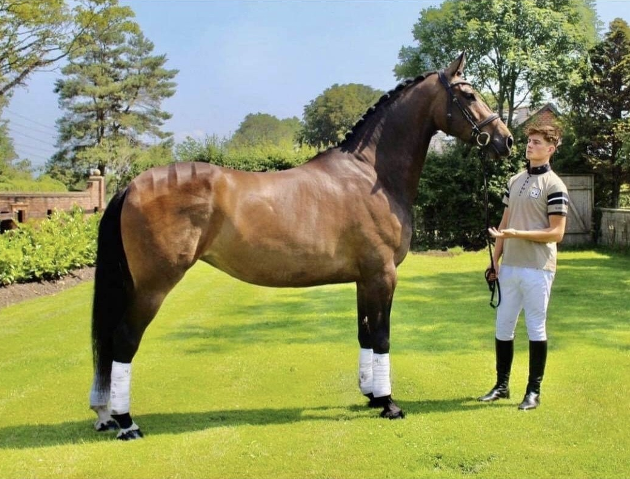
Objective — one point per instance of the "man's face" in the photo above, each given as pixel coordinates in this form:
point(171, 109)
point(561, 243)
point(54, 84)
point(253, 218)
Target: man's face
point(538, 149)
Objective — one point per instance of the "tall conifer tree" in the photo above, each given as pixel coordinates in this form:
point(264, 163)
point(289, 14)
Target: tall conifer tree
point(112, 90)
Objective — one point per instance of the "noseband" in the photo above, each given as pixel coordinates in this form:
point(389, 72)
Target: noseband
point(481, 137)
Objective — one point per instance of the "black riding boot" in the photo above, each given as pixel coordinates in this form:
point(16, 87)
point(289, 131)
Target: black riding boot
point(504, 354)
point(537, 361)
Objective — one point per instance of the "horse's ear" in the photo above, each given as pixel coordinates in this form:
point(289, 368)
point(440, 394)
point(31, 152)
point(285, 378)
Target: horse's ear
point(457, 67)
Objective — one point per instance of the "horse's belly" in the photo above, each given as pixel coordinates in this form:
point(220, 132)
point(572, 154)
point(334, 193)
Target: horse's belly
point(282, 270)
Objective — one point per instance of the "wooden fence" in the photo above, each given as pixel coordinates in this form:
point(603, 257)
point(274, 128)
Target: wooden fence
point(615, 227)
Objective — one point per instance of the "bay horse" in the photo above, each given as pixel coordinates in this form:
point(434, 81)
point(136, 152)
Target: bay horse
point(343, 216)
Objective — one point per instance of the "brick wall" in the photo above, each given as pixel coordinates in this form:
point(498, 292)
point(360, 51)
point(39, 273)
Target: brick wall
point(24, 206)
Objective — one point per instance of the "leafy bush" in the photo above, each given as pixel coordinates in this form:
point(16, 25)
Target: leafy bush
point(450, 208)
point(49, 249)
point(265, 156)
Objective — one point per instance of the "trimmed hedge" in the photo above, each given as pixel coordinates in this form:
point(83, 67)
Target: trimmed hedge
point(48, 249)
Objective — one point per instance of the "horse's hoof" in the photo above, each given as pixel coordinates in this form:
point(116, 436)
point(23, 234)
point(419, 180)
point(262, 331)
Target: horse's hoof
point(396, 413)
point(130, 434)
point(110, 425)
point(391, 410)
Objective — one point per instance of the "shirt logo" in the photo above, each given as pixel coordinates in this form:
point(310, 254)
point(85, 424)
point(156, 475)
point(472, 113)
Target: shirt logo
point(534, 192)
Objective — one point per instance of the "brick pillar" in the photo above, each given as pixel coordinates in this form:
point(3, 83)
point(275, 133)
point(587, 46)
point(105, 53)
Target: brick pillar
point(96, 187)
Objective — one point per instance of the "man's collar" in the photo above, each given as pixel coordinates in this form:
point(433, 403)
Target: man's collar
point(538, 170)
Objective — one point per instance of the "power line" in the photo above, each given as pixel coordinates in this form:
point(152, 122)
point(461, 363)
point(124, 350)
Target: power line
point(31, 147)
point(13, 122)
point(30, 137)
point(30, 119)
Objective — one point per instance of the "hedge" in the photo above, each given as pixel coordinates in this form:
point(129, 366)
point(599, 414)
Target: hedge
point(48, 249)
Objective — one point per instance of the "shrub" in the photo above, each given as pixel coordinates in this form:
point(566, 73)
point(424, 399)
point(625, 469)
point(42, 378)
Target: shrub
point(49, 249)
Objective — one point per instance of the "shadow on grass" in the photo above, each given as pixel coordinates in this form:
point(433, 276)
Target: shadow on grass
point(29, 436)
point(439, 302)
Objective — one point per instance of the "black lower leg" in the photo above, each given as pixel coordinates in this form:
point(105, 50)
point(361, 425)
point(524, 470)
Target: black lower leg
point(504, 351)
point(537, 363)
point(124, 420)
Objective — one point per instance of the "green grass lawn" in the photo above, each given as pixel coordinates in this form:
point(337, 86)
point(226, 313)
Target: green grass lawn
point(238, 381)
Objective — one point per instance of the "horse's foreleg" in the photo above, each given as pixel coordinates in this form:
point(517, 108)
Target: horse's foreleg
point(374, 299)
point(366, 353)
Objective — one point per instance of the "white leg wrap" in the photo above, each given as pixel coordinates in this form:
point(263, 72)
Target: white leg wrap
point(120, 387)
point(365, 371)
point(380, 368)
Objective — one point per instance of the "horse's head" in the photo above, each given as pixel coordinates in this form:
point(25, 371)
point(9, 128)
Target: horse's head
point(460, 111)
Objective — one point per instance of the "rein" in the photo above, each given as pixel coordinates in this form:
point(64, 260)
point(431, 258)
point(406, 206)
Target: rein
point(493, 284)
point(483, 139)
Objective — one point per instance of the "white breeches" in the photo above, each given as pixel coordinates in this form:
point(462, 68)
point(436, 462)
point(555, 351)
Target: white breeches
point(374, 373)
point(525, 289)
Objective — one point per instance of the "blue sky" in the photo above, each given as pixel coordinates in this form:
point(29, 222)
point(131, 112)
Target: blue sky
point(237, 57)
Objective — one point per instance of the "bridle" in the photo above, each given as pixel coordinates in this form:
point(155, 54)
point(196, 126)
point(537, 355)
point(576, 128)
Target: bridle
point(481, 137)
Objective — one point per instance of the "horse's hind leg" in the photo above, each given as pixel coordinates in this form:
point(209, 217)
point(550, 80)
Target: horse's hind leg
point(126, 341)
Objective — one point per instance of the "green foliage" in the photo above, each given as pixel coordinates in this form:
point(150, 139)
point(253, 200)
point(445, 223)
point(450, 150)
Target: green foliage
point(332, 114)
point(262, 157)
point(262, 128)
point(7, 151)
point(211, 149)
point(238, 381)
point(48, 249)
point(125, 161)
point(111, 91)
point(35, 34)
point(600, 114)
point(450, 208)
point(517, 50)
point(43, 184)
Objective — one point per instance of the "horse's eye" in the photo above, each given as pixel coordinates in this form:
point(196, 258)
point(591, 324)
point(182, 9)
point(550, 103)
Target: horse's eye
point(469, 96)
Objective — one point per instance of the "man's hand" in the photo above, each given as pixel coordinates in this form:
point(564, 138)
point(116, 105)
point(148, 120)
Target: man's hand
point(506, 233)
point(492, 275)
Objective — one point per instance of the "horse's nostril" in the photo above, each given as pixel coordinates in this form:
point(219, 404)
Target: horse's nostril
point(509, 142)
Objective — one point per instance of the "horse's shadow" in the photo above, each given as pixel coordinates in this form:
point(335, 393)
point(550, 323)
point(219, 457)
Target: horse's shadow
point(45, 435)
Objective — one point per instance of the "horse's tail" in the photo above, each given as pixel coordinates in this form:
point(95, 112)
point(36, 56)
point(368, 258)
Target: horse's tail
point(112, 286)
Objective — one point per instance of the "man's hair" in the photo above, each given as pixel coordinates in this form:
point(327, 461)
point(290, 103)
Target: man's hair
point(551, 132)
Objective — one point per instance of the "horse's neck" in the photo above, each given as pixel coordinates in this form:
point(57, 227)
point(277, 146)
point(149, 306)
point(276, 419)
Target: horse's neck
point(396, 144)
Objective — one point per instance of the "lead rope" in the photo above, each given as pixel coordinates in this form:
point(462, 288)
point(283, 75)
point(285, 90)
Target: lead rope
point(493, 285)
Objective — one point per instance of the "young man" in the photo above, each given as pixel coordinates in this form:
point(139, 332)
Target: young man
point(536, 205)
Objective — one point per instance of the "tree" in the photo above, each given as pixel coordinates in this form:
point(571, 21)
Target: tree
point(35, 34)
point(112, 90)
point(517, 50)
point(261, 128)
point(333, 113)
point(601, 112)
point(7, 151)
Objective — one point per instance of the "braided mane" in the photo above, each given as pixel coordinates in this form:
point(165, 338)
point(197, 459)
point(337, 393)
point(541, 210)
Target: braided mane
point(386, 98)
